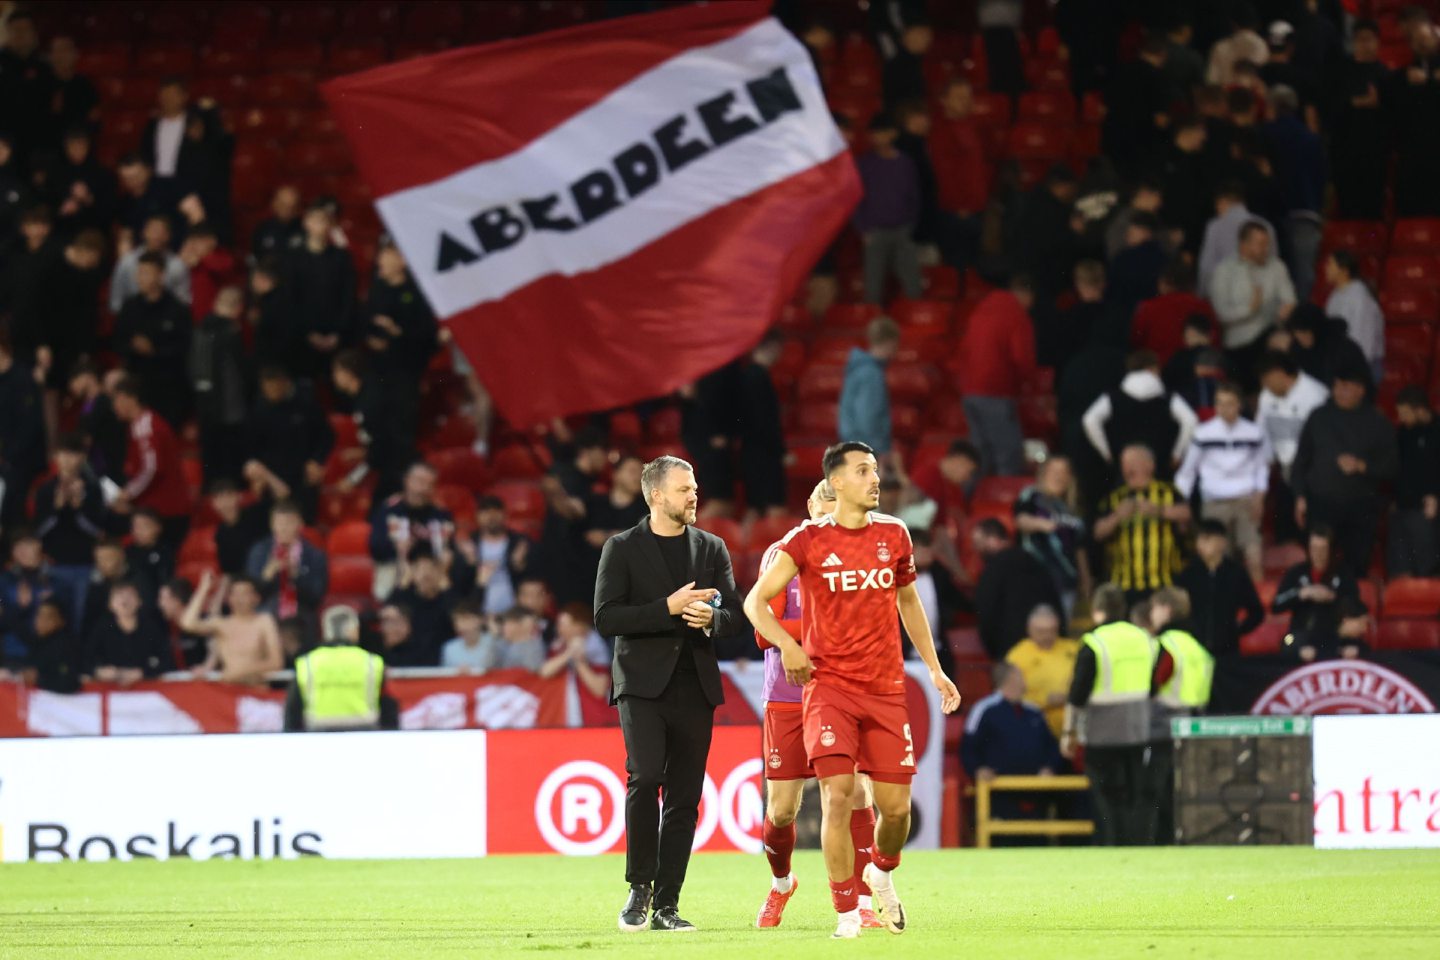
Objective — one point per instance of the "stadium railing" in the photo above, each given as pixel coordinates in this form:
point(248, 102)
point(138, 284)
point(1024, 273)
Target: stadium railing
point(987, 826)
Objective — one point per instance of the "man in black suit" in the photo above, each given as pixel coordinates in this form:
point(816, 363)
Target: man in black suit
point(656, 594)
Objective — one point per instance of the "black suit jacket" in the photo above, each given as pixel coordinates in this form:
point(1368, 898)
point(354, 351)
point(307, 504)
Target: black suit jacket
point(630, 605)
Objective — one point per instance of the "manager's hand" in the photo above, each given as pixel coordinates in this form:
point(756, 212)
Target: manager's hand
point(687, 595)
point(699, 615)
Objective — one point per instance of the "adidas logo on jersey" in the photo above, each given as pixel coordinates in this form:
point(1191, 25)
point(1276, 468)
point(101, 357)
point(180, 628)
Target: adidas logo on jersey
point(833, 561)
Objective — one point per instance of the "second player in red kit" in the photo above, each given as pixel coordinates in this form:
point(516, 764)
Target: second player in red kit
point(856, 570)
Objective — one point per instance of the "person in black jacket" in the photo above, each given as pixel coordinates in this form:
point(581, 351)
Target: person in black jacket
point(128, 643)
point(1012, 584)
point(22, 433)
point(74, 317)
point(53, 656)
point(106, 438)
point(424, 590)
point(1360, 127)
point(388, 450)
point(492, 563)
point(1322, 345)
point(1223, 603)
point(318, 281)
point(241, 526)
point(219, 380)
point(280, 232)
point(77, 186)
point(1347, 450)
point(29, 280)
point(400, 336)
point(277, 343)
point(654, 595)
point(1319, 595)
point(1414, 547)
point(762, 433)
point(189, 149)
point(70, 516)
point(152, 336)
point(290, 437)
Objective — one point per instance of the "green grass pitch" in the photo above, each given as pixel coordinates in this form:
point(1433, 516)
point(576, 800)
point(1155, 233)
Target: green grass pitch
point(1280, 903)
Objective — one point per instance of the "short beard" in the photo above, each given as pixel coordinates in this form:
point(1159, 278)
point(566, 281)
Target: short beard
point(680, 517)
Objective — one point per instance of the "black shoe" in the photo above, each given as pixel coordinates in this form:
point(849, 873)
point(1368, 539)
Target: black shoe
point(666, 918)
point(635, 915)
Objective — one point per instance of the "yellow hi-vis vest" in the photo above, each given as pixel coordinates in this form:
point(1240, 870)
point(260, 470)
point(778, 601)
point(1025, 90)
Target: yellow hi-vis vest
point(340, 687)
point(1124, 663)
point(1189, 685)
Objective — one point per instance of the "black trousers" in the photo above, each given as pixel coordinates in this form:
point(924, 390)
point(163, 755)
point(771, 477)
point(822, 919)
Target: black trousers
point(667, 741)
point(1158, 805)
point(1117, 784)
point(1355, 523)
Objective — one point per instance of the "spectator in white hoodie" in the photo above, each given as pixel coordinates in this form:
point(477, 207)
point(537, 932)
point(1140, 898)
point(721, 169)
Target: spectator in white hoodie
point(1141, 411)
point(1286, 402)
point(1230, 460)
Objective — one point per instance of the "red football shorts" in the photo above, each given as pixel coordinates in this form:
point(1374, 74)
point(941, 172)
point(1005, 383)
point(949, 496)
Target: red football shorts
point(782, 742)
point(846, 730)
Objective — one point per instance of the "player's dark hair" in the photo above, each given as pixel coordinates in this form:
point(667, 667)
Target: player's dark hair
point(1346, 261)
point(1250, 227)
point(468, 607)
point(835, 454)
point(964, 448)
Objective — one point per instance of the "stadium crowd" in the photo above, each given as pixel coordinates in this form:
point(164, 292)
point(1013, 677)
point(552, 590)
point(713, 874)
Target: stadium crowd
point(1137, 293)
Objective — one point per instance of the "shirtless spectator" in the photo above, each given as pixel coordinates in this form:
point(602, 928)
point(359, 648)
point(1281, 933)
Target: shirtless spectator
point(245, 645)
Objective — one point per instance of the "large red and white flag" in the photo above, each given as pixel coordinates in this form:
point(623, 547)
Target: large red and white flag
point(605, 213)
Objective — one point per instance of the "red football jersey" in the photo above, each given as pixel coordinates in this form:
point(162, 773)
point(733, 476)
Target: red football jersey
point(848, 584)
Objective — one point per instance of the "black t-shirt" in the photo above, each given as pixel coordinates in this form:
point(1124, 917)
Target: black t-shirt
point(55, 662)
point(676, 551)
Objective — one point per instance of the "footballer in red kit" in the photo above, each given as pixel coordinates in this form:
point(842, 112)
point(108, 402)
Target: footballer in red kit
point(856, 570)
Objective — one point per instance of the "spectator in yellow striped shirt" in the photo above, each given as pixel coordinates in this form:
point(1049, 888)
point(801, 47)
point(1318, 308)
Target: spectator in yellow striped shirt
point(1142, 524)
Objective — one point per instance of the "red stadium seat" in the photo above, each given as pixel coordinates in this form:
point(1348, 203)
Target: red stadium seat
point(241, 22)
point(1370, 596)
point(199, 546)
point(1050, 76)
point(907, 422)
point(460, 466)
point(1039, 417)
point(795, 318)
point(355, 55)
point(663, 427)
point(819, 383)
point(933, 315)
point(834, 349)
point(992, 109)
point(1267, 589)
point(964, 643)
point(159, 60)
point(1268, 638)
point(1407, 351)
point(1029, 140)
point(523, 499)
point(910, 382)
point(228, 61)
point(176, 22)
point(370, 19)
point(728, 530)
point(1410, 305)
point(427, 19)
point(802, 461)
point(294, 55)
point(1092, 107)
point(817, 418)
point(768, 530)
point(459, 501)
point(349, 539)
point(519, 462)
point(352, 574)
point(1357, 236)
point(1416, 235)
point(1001, 490)
point(318, 156)
point(1412, 597)
point(1410, 271)
point(1281, 557)
point(105, 59)
point(850, 315)
point(1408, 635)
point(283, 89)
point(1049, 106)
point(337, 507)
point(942, 282)
point(307, 21)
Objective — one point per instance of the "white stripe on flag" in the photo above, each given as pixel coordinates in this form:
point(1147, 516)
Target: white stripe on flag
point(794, 142)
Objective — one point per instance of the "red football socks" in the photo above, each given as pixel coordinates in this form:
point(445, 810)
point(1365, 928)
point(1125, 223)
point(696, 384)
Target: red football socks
point(843, 895)
point(862, 834)
point(779, 845)
point(884, 862)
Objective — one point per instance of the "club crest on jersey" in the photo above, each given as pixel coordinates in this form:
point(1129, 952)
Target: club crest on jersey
point(775, 760)
point(827, 737)
point(882, 552)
